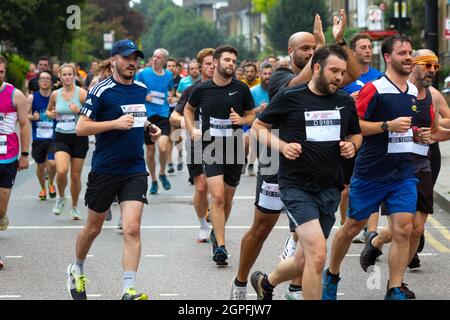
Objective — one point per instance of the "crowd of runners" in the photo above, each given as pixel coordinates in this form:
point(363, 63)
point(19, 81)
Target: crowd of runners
point(323, 132)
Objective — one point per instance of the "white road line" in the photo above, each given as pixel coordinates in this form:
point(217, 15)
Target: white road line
point(10, 297)
point(14, 257)
point(169, 295)
point(353, 255)
point(90, 256)
point(154, 256)
point(94, 295)
point(427, 254)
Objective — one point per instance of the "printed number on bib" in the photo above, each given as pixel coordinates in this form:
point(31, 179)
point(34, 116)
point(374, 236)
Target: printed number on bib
point(44, 130)
point(157, 97)
point(66, 122)
point(269, 198)
point(322, 126)
point(401, 142)
point(3, 145)
point(220, 127)
point(420, 149)
point(139, 113)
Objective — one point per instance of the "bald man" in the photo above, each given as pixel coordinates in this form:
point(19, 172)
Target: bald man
point(426, 121)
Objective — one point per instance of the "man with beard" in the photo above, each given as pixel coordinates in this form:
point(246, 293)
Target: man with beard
point(226, 104)
point(318, 127)
point(384, 170)
point(115, 112)
point(251, 75)
point(425, 122)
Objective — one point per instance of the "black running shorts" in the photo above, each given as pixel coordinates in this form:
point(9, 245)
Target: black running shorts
point(40, 149)
point(75, 146)
point(8, 174)
point(160, 122)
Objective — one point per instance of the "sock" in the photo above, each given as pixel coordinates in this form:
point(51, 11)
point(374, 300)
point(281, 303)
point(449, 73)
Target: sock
point(78, 266)
point(240, 284)
point(204, 224)
point(294, 288)
point(128, 280)
point(266, 284)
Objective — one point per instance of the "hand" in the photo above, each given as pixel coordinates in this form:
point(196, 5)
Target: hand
point(155, 132)
point(53, 114)
point(423, 135)
point(318, 31)
point(183, 123)
point(24, 162)
point(125, 122)
point(196, 134)
point(235, 118)
point(291, 151)
point(74, 108)
point(339, 26)
point(148, 98)
point(173, 99)
point(36, 116)
point(401, 124)
point(355, 95)
point(348, 149)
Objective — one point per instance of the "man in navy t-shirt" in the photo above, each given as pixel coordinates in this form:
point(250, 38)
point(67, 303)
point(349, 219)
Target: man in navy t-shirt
point(115, 112)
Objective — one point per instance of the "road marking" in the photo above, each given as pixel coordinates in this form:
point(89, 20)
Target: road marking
point(427, 254)
point(154, 256)
point(437, 224)
point(90, 256)
point(169, 295)
point(353, 255)
point(432, 240)
point(10, 297)
point(94, 295)
point(13, 257)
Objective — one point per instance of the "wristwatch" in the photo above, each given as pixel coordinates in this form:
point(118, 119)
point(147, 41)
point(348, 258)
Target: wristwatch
point(384, 126)
point(25, 154)
point(343, 43)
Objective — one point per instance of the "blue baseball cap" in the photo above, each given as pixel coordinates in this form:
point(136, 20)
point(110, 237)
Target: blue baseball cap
point(126, 48)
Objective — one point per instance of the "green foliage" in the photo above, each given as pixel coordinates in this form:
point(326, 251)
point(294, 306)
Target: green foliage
point(17, 69)
point(264, 6)
point(290, 16)
point(241, 43)
point(348, 34)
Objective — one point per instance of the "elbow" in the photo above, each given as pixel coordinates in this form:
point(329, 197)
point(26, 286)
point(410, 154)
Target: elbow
point(80, 130)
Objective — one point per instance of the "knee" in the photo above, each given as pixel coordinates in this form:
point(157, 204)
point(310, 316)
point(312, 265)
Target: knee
point(351, 231)
point(318, 260)
point(261, 232)
point(93, 231)
point(62, 171)
point(201, 189)
point(132, 231)
point(218, 199)
point(418, 230)
point(402, 233)
point(75, 176)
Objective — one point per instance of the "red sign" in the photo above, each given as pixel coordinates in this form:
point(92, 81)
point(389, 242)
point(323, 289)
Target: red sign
point(447, 29)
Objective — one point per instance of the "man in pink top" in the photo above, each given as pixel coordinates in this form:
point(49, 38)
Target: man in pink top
point(13, 109)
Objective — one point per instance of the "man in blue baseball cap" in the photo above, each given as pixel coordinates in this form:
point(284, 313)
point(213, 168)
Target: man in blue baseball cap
point(125, 48)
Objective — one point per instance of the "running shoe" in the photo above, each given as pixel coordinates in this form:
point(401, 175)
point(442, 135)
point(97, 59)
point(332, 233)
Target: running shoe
point(408, 293)
point(370, 253)
point(165, 182)
point(2, 262)
point(75, 214)
point(108, 215)
point(170, 168)
point(329, 286)
point(59, 206)
point(361, 237)
point(292, 295)
point(213, 239)
point(395, 294)
point(203, 235)
point(415, 262)
point(289, 248)
point(244, 167)
point(76, 284)
point(251, 170)
point(237, 292)
point(4, 223)
point(52, 191)
point(119, 224)
point(191, 181)
point(220, 256)
point(43, 195)
point(256, 280)
point(131, 294)
point(154, 187)
point(421, 243)
point(180, 164)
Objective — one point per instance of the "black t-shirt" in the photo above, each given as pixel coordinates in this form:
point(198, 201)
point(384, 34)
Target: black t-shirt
point(176, 82)
point(279, 80)
point(215, 104)
point(318, 123)
point(184, 99)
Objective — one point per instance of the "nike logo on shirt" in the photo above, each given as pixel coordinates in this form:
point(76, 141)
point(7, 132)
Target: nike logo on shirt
point(232, 93)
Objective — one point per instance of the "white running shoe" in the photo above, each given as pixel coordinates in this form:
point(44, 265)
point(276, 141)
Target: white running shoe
point(203, 235)
point(108, 215)
point(4, 223)
point(59, 206)
point(238, 293)
point(292, 295)
point(75, 214)
point(289, 248)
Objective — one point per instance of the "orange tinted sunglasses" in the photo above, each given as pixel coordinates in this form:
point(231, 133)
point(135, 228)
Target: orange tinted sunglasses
point(429, 65)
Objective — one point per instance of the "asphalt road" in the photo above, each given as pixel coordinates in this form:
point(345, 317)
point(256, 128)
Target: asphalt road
point(38, 247)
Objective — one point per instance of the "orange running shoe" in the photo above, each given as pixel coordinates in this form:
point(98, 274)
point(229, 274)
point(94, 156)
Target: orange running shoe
point(43, 195)
point(52, 191)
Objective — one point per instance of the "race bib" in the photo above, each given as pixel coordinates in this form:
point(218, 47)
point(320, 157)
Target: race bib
point(157, 97)
point(420, 149)
point(401, 142)
point(269, 198)
point(138, 111)
point(66, 122)
point(220, 127)
point(323, 126)
point(3, 145)
point(44, 130)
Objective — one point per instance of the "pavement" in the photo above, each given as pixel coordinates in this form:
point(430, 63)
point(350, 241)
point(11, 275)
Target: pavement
point(442, 187)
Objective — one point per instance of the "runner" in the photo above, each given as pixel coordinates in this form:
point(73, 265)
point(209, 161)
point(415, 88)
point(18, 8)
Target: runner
point(318, 127)
point(13, 110)
point(426, 123)
point(205, 59)
point(384, 171)
point(160, 88)
point(70, 150)
point(226, 105)
point(115, 112)
point(43, 132)
point(251, 75)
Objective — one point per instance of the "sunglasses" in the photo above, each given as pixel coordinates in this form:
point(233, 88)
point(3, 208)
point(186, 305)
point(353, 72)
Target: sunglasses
point(430, 65)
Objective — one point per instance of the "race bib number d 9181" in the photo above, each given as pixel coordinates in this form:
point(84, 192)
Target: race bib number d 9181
point(322, 126)
point(220, 127)
point(401, 142)
point(138, 111)
point(269, 198)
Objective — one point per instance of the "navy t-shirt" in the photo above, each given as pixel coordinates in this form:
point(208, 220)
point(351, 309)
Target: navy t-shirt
point(117, 151)
point(380, 157)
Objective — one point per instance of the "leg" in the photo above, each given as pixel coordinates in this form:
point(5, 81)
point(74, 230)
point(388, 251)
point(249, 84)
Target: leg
point(75, 180)
point(51, 171)
point(229, 195)
point(372, 224)
point(253, 241)
point(5, 194)
point(40, 173)
point(216, 187)
point(89, 233)
point(131, 224)
point(151, 161)
point(201, 196)
point(291, 268)
point(418, 229)
point(62, 169)
point(343, 206)
point(165, 148)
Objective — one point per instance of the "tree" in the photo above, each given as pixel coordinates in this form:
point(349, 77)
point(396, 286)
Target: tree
point(264, 6)
point(290, 16)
